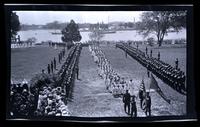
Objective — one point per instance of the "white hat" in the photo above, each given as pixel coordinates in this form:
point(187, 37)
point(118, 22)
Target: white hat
point(24, 81)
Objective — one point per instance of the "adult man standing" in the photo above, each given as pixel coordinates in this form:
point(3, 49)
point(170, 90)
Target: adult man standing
point(146, 50)
point(18, 38)
point(151, 53)
point(126, 101)
point(148, 73)
point(52, 67)
point(148, 104)
point(158, 55)
point(133, 107)
point(54, 63)
point(48, 68)
point(176, 63)
point(59, 58)
point(126, 53)
point(77, 70)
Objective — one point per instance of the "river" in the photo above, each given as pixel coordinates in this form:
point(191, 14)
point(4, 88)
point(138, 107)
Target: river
point(45, 35)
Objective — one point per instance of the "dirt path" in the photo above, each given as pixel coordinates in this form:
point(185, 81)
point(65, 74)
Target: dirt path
point(90, 98)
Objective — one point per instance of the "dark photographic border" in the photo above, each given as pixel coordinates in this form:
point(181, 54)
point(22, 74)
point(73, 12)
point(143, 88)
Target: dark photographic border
point(191, 105)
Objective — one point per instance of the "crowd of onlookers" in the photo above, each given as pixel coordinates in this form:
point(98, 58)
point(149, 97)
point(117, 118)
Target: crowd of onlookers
point(22, 101)
point(51, 102)
point(46, 99)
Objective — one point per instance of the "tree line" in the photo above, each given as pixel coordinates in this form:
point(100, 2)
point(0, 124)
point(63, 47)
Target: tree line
point(158, 23)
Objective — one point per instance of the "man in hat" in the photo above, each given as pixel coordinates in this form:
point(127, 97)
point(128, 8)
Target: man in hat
point(148, 104)
point(54, 63)
point(158, 55)
point(52, 67)
point(77, 71)
point(176, 63)
point(146, 50)
point(126, 53)
point(48, 68)
point(151, 53)
point(59, 58)
point(133, 107)
point(126, 101)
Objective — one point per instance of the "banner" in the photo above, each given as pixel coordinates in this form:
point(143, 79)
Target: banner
point(154, 85)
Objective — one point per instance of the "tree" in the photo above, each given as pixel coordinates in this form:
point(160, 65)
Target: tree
point(71, 34)
point(14, 24)
point(160, 22)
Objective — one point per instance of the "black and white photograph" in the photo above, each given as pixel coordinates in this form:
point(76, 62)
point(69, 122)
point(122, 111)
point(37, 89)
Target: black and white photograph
point(98, 63)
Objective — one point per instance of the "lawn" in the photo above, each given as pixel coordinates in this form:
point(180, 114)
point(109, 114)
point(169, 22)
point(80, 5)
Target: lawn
point(90, 98)
point(26, 62)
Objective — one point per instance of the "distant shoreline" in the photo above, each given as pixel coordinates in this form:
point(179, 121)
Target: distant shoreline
point(80, 30)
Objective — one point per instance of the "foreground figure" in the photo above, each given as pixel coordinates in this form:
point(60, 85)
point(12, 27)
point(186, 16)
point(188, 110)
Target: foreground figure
point(126, 101)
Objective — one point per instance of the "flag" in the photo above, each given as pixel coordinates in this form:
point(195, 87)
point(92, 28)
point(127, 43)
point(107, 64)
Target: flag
point(142, 94)
point(142, 86)
point(154, 85)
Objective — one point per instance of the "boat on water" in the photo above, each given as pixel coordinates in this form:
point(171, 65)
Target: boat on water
point(56, 33)
point(108, 32)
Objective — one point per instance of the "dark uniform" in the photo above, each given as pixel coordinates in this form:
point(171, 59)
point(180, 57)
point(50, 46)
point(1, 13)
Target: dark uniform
point(18, 38)
point(146, 50)
point(51, 66)
point(133, 107)
point(158, 55)
point(148, 73)
point(141, 97)
point(148, 105)
point(54, 62)
point(77, 71)
point(48, 68)
point(176, 63)
point(151, 53)
point(126, 101)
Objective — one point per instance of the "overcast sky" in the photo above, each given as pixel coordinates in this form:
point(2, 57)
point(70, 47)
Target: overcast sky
point(43, 17)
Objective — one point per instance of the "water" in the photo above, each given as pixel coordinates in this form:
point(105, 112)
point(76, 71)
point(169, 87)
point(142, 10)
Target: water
point(45, 35)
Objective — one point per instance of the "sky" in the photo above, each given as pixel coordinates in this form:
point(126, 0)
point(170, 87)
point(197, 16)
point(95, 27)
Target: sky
point(43, 17)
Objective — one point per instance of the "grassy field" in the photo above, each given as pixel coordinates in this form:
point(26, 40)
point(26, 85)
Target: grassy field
point(169, 53)
point(26, 62)
point(131, 69)
point(90, 98)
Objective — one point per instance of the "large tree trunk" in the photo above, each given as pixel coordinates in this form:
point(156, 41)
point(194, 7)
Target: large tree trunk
point(159, 43)
point(160, 38)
